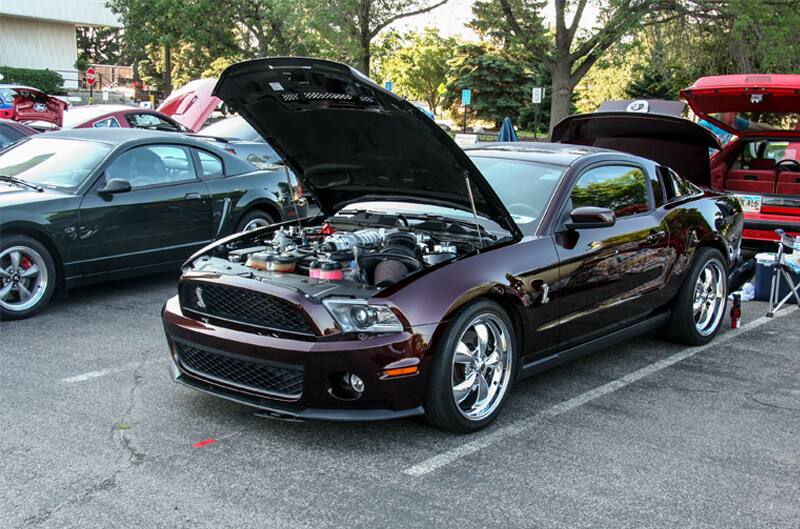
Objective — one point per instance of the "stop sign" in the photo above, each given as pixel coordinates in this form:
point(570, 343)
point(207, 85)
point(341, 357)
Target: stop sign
point(91, 76)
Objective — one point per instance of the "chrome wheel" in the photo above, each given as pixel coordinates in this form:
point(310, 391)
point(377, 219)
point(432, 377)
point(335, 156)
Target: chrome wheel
point(481, 367)
point(255, 224)
point(709, 298)
point(23, 278)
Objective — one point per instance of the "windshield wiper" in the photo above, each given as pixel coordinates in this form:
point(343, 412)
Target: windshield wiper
point(19, 181)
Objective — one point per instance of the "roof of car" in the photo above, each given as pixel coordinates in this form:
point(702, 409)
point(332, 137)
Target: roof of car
point(550, 153)
point(117, 136)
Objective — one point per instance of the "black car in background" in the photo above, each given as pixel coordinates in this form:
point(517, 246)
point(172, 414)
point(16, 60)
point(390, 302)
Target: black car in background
point(12, 132)
point(83, 206)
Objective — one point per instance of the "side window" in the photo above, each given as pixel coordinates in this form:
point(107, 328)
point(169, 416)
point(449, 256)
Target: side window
point(675, 186)
point(620, 188)
point(106, 123)
point(210, 165)
point(153, 165)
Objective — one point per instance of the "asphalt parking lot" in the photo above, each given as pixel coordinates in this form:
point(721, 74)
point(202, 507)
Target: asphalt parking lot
point(647, 434)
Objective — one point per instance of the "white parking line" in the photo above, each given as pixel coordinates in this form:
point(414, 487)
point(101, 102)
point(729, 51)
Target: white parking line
point(108, 371)
point(520, 426)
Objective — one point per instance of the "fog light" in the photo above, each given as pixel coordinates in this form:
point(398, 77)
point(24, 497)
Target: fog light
point(353, 384)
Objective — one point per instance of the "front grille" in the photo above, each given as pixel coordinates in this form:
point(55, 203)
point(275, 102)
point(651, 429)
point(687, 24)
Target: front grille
point(244, 306)
point(272, 380)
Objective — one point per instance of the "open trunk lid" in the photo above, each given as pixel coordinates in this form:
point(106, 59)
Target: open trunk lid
point(746, 104)
point(349, 140)
point(668, 140)
point(31, 104)
point(192, 104)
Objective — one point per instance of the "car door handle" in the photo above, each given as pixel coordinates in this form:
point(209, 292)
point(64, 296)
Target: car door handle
point(655, 237)
point(192, 196)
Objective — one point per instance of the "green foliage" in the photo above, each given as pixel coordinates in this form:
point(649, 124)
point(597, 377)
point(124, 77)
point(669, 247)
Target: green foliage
point(45, 80)
point(98, 45)
point(500, 86)
point(419, 68)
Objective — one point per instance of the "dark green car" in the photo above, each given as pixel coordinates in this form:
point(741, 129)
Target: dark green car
point(88, 205)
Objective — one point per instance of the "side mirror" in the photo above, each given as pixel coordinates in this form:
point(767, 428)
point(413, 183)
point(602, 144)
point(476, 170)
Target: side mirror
point(114, 186)
point(590, 217)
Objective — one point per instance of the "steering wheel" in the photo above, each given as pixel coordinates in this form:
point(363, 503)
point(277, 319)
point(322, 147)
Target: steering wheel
point(520, 205)
point(791, 165)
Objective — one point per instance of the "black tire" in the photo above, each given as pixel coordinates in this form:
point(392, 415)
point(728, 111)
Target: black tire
point(254, 216)
point(12, 297)
point(681, 326)
point(441, 409)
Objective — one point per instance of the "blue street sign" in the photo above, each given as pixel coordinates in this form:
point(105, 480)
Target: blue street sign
point(388, 86)
point(466, 97)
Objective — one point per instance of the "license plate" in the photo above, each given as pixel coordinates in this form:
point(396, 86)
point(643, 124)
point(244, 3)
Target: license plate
point(750, 202)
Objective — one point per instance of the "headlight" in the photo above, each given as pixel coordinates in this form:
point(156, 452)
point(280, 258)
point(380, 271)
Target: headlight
point(356, 315)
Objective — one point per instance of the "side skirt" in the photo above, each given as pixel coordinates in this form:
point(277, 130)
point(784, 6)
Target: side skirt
point(538, 365)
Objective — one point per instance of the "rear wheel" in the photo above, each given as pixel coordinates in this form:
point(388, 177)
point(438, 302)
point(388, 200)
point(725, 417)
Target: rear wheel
point(473, 369)
point(255, 219)
point(27, 277)
point(700, 306)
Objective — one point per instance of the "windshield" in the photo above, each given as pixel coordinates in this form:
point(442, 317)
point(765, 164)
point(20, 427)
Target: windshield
point(524, 187)
point(234, 128)
point(6, 96)
point(53, 162)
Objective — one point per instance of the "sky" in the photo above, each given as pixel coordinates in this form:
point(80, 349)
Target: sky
point(451, 18)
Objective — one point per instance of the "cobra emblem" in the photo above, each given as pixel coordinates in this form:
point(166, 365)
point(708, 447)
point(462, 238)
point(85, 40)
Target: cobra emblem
point(198, 293)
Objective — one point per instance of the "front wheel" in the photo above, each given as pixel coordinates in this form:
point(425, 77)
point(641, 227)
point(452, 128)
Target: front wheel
point(700, 306)
point(254, 220)
point(27, 277)
point(473, 369)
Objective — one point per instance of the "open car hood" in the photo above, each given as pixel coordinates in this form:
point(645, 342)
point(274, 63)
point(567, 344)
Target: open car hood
point(349, 140)
point(747, 104)
point(31, 104)
point(671, 141)
point(192, 104)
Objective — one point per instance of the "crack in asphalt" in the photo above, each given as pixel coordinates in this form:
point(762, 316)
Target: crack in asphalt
point(133, 457)
point(776, 406)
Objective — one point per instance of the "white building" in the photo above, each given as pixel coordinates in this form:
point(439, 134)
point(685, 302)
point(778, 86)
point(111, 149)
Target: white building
point(41, 33)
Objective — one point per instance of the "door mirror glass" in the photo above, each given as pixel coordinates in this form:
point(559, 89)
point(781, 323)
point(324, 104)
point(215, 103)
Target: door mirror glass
point(590, 217)
point(114, 186)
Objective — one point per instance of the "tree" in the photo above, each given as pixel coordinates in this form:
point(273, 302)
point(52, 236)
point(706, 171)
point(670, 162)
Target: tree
point(150, 24)
point(260, 28)
point(567, 53)
point(349, 26)
point(500, 86)
point(419, 68)
point(98, 45)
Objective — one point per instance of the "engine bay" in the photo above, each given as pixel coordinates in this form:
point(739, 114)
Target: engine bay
point(360, 250)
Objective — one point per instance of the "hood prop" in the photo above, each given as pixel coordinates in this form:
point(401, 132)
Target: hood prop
point(291, 197)
point(474, 210)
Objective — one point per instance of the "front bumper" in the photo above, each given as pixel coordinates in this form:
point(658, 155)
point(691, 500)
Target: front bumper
point(322, 363)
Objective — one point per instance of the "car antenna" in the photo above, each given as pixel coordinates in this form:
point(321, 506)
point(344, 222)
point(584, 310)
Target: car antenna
point(474, 209)
point(291, 197)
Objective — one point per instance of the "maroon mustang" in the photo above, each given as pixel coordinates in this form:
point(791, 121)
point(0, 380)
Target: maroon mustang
point(434, 277)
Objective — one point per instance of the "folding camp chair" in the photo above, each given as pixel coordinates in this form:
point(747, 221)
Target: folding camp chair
point(781, 269)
